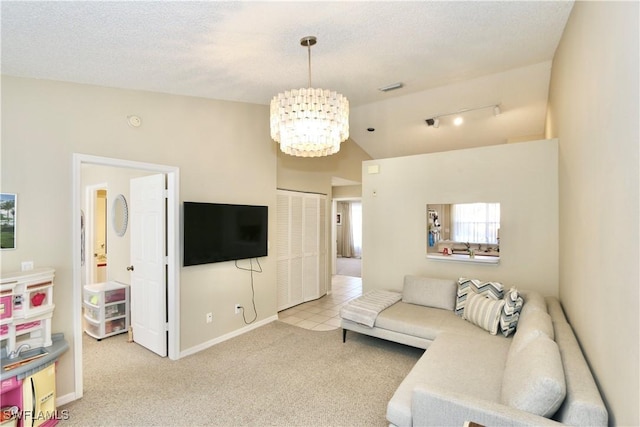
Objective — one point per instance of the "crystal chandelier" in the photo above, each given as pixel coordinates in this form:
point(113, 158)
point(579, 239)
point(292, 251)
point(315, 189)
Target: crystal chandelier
point(309, 122)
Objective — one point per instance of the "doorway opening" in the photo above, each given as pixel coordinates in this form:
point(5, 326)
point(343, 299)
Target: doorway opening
point(95, 214)
point(172, 244)
point(347, 237)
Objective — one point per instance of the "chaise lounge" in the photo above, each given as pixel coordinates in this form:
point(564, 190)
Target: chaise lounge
point(491, 358)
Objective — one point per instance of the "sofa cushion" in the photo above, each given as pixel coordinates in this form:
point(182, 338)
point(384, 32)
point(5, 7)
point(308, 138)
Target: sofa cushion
point(536, 320)
point(583, 405)
point(413, 319)
point(555, 310)
point(533, 378)
point(531, 326)
point(484, 312)
point(510, 312)
point(437, 293)
point(424, 322)
point(533, 301)
point(449, 364)
point(493, 290)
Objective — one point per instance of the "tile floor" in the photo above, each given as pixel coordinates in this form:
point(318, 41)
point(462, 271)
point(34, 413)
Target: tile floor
point(323, 314)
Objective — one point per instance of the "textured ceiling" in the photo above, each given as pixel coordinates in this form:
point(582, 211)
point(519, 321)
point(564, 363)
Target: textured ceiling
point(448, 55)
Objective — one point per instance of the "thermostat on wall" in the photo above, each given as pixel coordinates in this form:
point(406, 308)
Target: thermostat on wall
point(134, 121)
point(373, 169)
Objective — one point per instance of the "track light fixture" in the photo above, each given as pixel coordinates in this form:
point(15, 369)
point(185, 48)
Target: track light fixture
point(435, 120)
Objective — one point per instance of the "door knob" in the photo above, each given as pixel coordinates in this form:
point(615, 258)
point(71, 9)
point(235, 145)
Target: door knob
point(130, 268)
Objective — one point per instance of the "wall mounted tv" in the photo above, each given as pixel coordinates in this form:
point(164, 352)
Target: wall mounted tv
point(215, 232)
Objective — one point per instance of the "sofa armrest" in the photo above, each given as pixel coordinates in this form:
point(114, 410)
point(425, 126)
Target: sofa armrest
point(431, 406)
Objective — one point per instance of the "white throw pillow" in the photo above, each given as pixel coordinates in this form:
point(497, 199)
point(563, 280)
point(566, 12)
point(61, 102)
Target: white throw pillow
point(484, 312)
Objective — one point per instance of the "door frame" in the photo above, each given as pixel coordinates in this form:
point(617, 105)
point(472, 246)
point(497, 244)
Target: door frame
point(173, 252)
point(89, 223)
point(334, 228)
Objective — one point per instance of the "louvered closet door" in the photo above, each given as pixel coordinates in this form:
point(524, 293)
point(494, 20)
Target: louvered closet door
point(282, 248)
point(301, 270)
point(296, 254)
point(289, 247)
point(323, 280)
point(311, 267)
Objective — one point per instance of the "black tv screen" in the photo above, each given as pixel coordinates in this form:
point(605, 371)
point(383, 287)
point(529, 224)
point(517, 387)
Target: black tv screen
point(215, 232)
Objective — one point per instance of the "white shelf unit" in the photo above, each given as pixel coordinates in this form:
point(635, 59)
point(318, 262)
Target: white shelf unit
point(26, 308)
point(106, 309)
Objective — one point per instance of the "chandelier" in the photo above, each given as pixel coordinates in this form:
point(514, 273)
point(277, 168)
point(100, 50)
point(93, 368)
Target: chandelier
point(309, 122)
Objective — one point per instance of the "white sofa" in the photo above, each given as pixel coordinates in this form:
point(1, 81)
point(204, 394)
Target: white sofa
point(535, 376)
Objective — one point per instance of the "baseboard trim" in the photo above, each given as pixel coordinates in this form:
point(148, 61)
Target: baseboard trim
point(63, 400)
point(222, 338)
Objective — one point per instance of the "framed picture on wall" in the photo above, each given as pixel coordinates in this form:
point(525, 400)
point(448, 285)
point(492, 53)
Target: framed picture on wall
point(338, 219)
point(8, 209)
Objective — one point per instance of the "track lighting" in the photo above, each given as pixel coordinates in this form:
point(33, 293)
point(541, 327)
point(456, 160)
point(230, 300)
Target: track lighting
point(435, 120)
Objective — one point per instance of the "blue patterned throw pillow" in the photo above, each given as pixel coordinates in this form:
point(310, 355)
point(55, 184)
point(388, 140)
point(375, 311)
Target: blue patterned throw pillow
point(493, 290)
point(510, 312)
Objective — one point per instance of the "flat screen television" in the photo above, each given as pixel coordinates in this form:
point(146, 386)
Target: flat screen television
point(215, 232)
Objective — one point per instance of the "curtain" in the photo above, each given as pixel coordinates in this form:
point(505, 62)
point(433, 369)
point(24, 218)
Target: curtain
point(347, 236)
point(475, 222)
point(351, 229)
point(355, 215)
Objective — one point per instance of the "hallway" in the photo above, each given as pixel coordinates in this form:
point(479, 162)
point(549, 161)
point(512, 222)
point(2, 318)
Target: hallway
point(323, 314)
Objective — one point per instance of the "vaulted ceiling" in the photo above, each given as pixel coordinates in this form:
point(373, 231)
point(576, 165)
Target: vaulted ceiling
point(449, 56)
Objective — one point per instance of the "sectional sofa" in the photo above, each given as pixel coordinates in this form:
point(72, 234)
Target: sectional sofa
point(492, 357)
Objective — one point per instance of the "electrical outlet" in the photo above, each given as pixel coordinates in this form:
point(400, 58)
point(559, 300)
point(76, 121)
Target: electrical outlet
point(27, 265)
point(238, 307)
point(209, 317)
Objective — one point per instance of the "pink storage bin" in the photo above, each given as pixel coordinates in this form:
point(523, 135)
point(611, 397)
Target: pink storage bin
point(6, 306)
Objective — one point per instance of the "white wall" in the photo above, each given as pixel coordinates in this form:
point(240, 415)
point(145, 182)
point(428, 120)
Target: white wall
point(522, 177)
point(593, 111)
point(118, 247)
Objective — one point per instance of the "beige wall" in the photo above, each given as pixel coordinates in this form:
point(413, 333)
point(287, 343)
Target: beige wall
point(522, 177)
point(593, 111)
point(224, 153)
point(348, 191)
point(315, 175)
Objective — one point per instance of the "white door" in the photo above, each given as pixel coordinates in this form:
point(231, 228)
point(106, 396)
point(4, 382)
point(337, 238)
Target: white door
point(148, 284)
point(310, 248)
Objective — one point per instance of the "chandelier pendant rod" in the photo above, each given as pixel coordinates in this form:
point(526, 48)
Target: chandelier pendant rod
point(308, 42)
point(309, 52)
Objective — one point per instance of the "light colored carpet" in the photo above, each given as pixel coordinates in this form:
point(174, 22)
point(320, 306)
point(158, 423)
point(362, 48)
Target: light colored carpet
point(349, 267)
point(275, 375)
